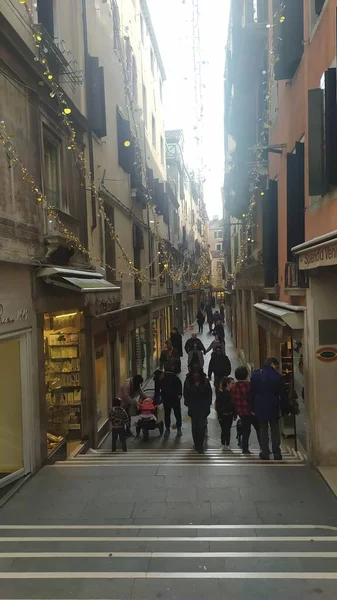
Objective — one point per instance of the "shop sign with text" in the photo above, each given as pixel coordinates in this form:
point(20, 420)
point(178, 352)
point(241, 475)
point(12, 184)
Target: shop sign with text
point(324, 255)
point(12, 315)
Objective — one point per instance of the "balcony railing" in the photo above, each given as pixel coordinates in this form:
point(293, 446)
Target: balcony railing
point(294, 278)
point(66, 69)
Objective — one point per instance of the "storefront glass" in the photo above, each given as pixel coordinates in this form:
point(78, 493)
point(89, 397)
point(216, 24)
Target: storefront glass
point(141, 352)
point(11, 434)
point(156, 341)
point(63, 359)
point(101, 376)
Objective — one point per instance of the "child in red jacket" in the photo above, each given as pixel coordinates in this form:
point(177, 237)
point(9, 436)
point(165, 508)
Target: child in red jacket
point(240, 397)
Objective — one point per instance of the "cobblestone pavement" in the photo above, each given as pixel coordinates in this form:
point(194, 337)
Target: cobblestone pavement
point(162, 522)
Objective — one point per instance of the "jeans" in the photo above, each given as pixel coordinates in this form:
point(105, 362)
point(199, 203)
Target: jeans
point(169, 404)
point(201, 327)
point(199, 424)
point(247, 422)
point(275, 438)
point(118, 431)
point(226, 422)
point(217, 380)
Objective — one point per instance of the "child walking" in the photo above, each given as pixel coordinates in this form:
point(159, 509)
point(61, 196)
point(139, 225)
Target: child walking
point(119, 421)
point(225, 410)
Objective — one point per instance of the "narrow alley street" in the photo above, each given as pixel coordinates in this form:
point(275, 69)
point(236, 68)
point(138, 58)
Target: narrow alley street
point(164, 522)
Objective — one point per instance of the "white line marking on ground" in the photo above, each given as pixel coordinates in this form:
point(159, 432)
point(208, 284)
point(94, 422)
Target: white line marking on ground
point(189, 526)
point(157, 575)
point(169, 539)
point(112, 554)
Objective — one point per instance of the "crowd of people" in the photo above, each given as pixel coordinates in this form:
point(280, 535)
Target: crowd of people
point(258, 403)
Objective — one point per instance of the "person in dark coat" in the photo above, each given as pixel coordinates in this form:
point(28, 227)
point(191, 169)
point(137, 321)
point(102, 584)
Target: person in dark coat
point(268, 400)
point(177, 345)
point(198, 399)
point(171, 393)
point(225, 409)
point(219, 331)
point(220, 365)
point(209, 314)
point(170, 355)
point(194, 340)
point(222, 312)
point(213, 301)
point(177, 340)
point(200, 321)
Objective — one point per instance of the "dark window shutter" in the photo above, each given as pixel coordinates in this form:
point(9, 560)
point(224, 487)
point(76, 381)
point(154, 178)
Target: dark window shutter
point(45, 15)
point(317, 184)
point(295, 199)
point(330, 103)
point(270, 233)
point(318, 6)
point(126, 153)
point(110, 249)
point(288, 38)
point(96, 97)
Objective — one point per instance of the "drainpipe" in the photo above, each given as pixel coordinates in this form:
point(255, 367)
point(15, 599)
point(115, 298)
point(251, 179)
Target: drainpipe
point(90, 137)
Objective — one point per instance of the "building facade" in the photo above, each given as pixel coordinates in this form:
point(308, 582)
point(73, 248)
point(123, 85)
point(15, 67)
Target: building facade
point(216, 245)
point(90, 225)
point(296, 317)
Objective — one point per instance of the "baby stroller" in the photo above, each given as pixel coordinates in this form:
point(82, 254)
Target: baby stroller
point(146, 422)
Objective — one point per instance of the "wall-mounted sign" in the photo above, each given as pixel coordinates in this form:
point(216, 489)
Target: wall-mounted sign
point(327, 354)
point(14, 316)
point(323, 255)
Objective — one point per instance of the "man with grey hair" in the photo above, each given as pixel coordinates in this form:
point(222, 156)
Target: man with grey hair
point(192, 341)
point(268, 401)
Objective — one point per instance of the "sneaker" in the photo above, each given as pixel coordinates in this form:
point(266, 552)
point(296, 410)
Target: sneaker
point(228, 446)
point(167, 432)
point(179, 432)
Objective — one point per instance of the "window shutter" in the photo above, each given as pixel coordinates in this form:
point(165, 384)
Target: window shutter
point(126, 154)
point(288, 38)
point(317, 185)
point(45, 15)
point(96, 97)
point(318, 6)
point(295, 199)
point(330, 103)
point(270, 233)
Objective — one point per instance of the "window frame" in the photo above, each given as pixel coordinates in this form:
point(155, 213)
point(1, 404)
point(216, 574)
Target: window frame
point(56, 143)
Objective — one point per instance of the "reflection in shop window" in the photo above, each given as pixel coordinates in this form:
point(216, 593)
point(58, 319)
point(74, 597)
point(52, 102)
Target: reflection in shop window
point(101, 376)
point(11, 434)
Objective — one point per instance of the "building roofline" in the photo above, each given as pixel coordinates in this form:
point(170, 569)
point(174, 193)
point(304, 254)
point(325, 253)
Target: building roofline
point(147, 16)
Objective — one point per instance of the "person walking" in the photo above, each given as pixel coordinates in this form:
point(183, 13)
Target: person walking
point(219, 330)
point(241, 400)
point(198, 399)
point(128, 396)
point(119, 420)
point(177, 340)
point(220, 365)
point(215, 344)
point(268, 400)
point(200, 321)
point(195, 358)
point(169, 355)
point(171, 392)
point(209, 314)
point(225, 410)
point(194, 340)
point(222, 313)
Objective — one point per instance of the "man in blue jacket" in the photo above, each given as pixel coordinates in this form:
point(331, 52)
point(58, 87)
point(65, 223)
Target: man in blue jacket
point(268, 400)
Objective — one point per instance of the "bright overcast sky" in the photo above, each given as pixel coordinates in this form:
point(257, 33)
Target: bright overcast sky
point(173, 23)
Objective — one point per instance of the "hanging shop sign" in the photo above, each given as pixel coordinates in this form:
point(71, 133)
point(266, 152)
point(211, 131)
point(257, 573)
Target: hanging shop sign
point(327, 354)
point(323, 255)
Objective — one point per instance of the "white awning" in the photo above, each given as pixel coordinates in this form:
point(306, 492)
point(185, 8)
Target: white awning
point(286, 318)
point(76, 280)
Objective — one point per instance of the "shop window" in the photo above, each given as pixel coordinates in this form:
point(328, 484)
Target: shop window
point(156, 341)
point(52, 168)
point(219, 247)
point(11, 439)
point(101, 377)
point(63, 377)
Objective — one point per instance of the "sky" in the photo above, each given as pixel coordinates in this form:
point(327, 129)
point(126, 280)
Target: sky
point(200, 119)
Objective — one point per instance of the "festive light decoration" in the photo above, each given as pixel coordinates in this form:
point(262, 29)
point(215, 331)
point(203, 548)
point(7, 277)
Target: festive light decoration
point(57, 94)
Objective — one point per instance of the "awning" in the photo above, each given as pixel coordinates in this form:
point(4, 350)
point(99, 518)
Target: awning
point(75, 280)
point(279, 315)
point(318, 252)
